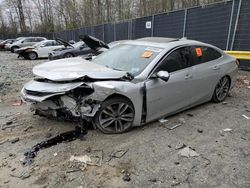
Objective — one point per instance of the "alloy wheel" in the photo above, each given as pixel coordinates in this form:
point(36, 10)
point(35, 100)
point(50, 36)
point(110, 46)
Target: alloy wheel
point(116, 117)
point(222, 88)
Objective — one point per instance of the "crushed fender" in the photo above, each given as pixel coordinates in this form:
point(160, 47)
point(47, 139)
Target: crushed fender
point(68, 136)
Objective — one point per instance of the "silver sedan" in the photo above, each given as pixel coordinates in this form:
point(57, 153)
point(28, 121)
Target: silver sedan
point(132, 84)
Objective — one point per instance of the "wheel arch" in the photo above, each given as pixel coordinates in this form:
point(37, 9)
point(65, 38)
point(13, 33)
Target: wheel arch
point(117, 95)
point(34, 53)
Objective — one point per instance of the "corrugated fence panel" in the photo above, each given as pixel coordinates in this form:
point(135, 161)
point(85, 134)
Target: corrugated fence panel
point(242, 38)
point(98, 32)
point(89, 31)
point(169, 24)
point(121, 30)
point(109, 33)
point(209, 24)
point(235, 9)
point(139, 27)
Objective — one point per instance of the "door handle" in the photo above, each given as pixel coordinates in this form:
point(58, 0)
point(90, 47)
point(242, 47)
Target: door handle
point(216, 67)
point(188, 76)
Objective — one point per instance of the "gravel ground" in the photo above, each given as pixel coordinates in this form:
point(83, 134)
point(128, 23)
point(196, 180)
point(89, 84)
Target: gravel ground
point(151, 153)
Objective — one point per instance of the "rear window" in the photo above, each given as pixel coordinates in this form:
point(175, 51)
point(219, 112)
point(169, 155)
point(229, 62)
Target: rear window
point(202, 54)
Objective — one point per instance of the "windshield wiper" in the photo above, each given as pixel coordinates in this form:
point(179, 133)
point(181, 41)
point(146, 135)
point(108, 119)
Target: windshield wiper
point(127, 76)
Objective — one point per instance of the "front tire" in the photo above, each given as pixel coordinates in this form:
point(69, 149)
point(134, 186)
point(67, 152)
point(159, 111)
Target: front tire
point(116, 115)
point(221, 90)
point(13, 49)
point(32, 56)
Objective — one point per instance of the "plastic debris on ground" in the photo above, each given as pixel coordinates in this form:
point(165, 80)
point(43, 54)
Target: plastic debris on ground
point(117, 154)
point(224, 131)
point(188, 152)
point(227, 130)
point(83, 159)
point(172, 125)
point(245, 116)
point(163, 120)
point(18, 103)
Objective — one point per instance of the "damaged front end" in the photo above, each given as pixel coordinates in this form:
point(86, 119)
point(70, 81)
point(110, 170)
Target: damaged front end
point(68, 101)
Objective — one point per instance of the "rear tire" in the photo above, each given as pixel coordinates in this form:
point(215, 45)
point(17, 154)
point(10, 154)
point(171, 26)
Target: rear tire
point(32, 55)
point(116, 115)
point(221, 90)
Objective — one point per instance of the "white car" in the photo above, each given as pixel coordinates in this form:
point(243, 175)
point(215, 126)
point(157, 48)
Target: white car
point(39, 50)
point(27, 41)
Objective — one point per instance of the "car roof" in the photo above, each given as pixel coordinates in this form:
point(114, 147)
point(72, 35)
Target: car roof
point(166, 43)
point(158, 39)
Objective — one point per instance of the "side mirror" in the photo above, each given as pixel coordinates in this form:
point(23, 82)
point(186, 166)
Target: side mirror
point(43, 45)
point(164, 75)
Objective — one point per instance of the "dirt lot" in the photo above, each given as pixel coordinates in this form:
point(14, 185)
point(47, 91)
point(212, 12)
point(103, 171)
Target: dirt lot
point(151, 153)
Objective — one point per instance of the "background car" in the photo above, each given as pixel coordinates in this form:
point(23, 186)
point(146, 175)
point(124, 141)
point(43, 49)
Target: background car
point(39, 50)
point(27, 41)
point(87, 46)
point(3, 43)
point(7, 45)
point(133, 83)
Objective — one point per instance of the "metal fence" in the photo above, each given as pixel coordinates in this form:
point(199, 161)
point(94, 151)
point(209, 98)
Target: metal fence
point(225, 24)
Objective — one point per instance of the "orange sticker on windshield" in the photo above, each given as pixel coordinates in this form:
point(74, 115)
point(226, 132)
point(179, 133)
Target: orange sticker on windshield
point(147, 54)
point(198, 52)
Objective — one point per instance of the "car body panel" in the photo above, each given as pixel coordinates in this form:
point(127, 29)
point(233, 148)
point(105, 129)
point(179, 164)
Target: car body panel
point(75, 50)
point(42, 49)
point(6, 42)
point(88, 45)
point(75, 68)
point(151, 97)
point(26, 41)
point(165, 97)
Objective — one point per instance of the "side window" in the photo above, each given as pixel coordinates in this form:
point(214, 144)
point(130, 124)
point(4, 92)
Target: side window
point(48, 44)
point(33, 40)
point(55, 43)
point(28, 40)
point(202, 54)
point(38, 39)
point(177, 60)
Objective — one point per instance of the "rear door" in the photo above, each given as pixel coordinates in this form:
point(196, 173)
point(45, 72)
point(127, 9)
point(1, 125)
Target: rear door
point(167, 97)
point(206, 71)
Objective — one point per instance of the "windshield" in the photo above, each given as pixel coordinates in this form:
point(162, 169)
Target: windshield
point(126, 57)
point(78, 44)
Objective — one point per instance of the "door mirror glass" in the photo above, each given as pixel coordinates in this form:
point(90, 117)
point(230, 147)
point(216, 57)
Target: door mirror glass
point(164, 75)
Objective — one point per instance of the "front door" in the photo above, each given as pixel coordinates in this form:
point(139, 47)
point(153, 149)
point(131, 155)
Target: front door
point(167, 97)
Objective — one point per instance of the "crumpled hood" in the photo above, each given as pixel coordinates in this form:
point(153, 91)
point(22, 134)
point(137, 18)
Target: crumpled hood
point(93, 42)
point(61, 41)
point(74, 68)
point(20, 50)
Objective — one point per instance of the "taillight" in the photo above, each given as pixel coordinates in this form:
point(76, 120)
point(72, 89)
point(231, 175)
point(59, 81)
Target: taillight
point(237, 62)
